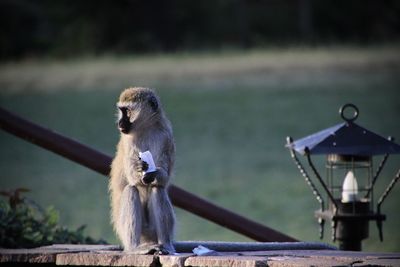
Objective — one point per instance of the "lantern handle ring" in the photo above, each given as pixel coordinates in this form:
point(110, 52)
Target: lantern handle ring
point(355, 114)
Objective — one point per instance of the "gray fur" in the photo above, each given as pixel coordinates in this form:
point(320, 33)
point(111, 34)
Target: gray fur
point(142, 214)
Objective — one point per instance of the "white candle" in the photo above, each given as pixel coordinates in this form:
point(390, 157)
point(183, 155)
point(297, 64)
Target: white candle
point(350, 188)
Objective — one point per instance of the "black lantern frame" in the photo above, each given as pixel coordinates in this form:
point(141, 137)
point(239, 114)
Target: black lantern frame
point(348, 147)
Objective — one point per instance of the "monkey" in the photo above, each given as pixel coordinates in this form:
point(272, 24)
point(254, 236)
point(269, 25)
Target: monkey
point(141, 211)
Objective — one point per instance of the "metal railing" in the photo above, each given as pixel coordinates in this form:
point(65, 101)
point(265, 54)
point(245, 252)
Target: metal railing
point(100, 163)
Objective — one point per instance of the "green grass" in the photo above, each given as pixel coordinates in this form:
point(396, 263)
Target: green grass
point(231, 114)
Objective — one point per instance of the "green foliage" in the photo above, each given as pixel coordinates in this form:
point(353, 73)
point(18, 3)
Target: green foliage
point(24, 224)
point(70, 28)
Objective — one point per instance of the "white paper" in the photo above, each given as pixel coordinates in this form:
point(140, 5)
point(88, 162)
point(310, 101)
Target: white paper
point(148, 158)
point(203, 251)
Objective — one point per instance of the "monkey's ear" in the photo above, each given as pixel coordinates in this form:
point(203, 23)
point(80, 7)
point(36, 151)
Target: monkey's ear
point(153, 103)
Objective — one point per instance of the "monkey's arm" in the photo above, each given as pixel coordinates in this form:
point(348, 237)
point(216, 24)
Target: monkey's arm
point(164, 164)
point(158, 178)
point(134, 169)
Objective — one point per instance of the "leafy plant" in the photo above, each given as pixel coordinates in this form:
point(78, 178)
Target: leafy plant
point(24, 224)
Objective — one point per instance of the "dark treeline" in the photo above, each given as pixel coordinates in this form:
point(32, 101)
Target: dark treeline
point(70, 28)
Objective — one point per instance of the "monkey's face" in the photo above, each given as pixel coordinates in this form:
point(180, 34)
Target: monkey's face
point(124, 122)
point(137, 113)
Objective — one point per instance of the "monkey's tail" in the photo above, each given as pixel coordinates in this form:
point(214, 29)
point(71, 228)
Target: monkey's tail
point(130, 220)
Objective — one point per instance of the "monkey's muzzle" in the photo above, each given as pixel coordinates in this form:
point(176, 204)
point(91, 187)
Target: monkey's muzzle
point(124, 126)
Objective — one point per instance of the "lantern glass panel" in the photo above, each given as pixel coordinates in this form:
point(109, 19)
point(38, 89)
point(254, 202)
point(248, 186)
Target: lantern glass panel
point(339, 166)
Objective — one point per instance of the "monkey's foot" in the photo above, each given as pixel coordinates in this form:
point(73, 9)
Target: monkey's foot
point(160, 251)
point(152, 249)
point(145, 249)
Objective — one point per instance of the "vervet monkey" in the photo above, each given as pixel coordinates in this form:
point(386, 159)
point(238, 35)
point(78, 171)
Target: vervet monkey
point(142, 214)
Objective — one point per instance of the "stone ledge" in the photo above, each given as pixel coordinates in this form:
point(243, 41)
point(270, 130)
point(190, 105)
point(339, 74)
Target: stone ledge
point(46, 254)
point(100, 255)
point(104, 259)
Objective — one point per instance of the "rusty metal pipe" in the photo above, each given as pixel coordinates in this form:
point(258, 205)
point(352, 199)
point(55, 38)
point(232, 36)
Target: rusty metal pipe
point(100, 163)
point(55, 142)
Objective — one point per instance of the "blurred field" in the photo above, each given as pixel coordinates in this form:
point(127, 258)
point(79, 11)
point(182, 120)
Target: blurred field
point(231, 113)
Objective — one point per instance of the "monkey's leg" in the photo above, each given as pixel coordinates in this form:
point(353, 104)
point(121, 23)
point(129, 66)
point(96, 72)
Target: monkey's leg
point(130, 218)
point(163, 217)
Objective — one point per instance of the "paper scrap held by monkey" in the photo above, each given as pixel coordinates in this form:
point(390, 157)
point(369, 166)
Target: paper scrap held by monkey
point(148, 158)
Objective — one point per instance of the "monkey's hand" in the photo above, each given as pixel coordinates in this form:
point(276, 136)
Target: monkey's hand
point(141, 166)
point(149, 177)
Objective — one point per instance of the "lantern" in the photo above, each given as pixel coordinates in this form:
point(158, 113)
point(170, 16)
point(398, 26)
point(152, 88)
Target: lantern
point(350, 177)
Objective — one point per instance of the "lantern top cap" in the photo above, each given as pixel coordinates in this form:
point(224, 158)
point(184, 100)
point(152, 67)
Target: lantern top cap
point(343, 115)
point(346, 138)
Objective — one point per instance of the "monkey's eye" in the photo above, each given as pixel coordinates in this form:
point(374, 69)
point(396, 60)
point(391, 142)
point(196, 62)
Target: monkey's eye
point(124, 111)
